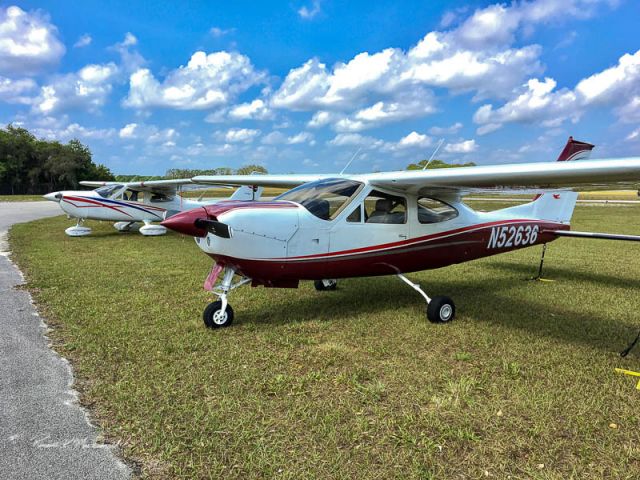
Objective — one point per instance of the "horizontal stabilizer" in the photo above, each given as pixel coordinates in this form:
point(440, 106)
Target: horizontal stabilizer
point(595, 235)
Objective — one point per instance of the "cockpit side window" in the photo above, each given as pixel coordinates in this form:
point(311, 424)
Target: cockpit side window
point(431, 210)
point(160, 197)
point(380, 207)
point(107, 190)
point(131, 195)
point(324, 198)
point(356, 215)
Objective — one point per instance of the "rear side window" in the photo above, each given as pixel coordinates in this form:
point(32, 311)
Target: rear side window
point(431, 210)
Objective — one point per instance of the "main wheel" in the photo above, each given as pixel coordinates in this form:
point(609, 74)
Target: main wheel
point(326, 284)
point(214, 317)
point(441, 310)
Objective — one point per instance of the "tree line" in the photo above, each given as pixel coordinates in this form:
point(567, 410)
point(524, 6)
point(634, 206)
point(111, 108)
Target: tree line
point(32, 166)
point(435, 163)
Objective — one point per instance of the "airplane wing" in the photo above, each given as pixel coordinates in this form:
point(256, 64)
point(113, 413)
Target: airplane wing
point(585, 174)
point(267, 180)
point(167, 187)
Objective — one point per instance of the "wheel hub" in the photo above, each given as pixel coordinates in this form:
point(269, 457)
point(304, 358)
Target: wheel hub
point(445, 312)
point(219, 317)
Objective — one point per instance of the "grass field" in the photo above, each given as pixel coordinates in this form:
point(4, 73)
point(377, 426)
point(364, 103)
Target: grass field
point(353, 383)
point(20, 198)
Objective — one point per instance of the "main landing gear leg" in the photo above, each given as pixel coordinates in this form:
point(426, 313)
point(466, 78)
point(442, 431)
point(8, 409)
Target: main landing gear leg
point(219, 313)
point(439, 309)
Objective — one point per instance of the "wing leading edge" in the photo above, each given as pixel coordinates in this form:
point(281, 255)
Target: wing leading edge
point(532, 176)
point(542, 176)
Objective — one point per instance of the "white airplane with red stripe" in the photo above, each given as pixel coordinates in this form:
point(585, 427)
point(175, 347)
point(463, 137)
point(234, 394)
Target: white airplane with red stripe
point(390, 223)
point(132, 204)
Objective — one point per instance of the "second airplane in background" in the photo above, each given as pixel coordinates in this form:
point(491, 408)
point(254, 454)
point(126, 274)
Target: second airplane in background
point(131, 204)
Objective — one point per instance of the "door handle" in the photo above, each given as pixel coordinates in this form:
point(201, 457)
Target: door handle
point(402, 235)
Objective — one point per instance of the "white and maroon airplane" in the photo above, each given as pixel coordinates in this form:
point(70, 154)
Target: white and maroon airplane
point(389, 223)
point(132, 203)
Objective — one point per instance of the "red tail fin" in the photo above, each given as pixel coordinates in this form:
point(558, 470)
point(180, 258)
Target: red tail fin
point(575, 150)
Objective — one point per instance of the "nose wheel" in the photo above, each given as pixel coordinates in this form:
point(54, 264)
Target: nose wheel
point(217, 316)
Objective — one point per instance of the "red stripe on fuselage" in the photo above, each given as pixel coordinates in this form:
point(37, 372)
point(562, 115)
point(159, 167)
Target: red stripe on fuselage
point(97, 203)
point(412, 241)
point(424, 253)
point(92, 203)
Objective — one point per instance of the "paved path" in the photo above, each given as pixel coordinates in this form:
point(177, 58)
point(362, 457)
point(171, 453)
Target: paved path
point(44, 433)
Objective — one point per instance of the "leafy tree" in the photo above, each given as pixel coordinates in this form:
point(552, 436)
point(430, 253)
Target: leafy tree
point(29, 165)
point(191, 172)
point(437, 164)
point(249, 169)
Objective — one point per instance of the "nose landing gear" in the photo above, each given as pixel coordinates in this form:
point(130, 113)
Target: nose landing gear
point(78, 230)
point(219, 314)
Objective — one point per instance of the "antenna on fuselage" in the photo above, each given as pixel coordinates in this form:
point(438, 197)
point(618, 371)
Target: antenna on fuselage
point(352, 159)
point(434, 153)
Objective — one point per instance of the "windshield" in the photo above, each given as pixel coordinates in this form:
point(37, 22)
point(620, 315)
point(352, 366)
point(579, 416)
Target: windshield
point(324, 198)
point(107, 190)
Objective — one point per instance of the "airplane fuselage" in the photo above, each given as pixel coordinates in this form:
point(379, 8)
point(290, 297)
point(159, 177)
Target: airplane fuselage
point(89, 205)
point(280, 242)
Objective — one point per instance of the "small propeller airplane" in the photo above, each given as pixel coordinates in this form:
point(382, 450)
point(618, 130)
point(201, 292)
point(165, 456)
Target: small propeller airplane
point(390, 223)
point(130, 204)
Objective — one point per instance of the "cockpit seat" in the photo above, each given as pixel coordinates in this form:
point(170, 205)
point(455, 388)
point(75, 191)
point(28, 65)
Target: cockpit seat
point(382, 213)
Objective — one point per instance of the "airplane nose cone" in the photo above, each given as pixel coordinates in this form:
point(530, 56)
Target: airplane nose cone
point(185, 222)
point(53, 196)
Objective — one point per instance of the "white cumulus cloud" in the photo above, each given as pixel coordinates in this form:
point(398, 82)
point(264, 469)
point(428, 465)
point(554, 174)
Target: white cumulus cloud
point(309, 12)
point(206, 81)
point(541, 101)
point(88, 88)
point(84, 41)
point(240, 135)
point(465, 146)
point(17, 91)
point(28, 42)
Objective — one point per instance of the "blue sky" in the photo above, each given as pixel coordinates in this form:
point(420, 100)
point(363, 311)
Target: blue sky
point(300, 86)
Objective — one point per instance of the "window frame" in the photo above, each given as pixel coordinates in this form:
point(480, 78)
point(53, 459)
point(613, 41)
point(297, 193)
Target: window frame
point(383, 194)
point(418, 207)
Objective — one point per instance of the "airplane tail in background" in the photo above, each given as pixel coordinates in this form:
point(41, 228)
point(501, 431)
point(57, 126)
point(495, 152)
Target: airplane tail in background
point(575, 150)
point(247, 193)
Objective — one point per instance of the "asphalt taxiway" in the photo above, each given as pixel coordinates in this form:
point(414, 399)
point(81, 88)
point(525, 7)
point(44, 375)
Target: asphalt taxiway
point(44, 432)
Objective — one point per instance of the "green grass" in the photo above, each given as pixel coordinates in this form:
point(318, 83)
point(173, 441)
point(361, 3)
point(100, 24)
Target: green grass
point(353, 383)
point(21, 198)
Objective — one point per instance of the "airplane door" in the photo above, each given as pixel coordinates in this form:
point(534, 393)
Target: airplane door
point(380, 219)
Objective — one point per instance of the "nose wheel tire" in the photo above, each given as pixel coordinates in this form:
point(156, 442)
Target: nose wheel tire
point(214, 317)
point(326, 284)
point(441, 310)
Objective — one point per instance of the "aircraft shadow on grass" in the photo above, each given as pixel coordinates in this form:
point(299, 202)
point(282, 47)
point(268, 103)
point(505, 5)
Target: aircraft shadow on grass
point(558, 273)
point(479, 301)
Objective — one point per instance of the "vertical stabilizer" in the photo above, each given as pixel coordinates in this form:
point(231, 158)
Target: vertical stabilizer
point(247, 192)
point(575, 150)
